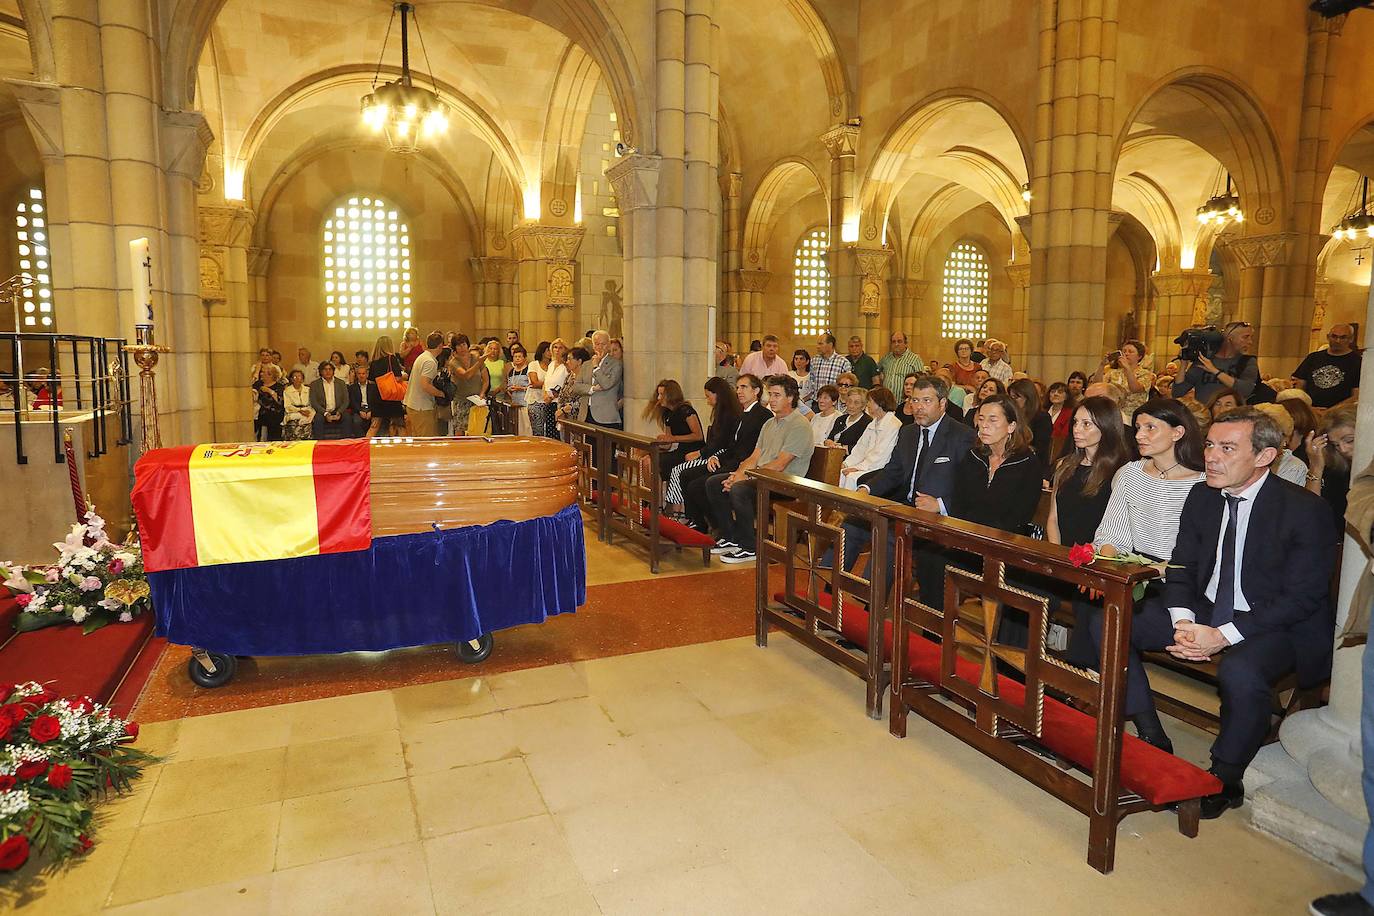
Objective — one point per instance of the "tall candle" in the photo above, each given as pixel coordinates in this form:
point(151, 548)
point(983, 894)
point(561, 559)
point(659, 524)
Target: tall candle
point(141, 276)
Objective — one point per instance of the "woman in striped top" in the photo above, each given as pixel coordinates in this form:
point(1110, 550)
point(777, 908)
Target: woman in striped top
point(1148, 494)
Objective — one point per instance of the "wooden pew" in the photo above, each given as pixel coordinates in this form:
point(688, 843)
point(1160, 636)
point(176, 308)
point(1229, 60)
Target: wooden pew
point(804, 526)
point(586, 438)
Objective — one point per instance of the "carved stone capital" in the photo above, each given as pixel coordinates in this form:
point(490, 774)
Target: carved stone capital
point(224, 225)
point(41, 105)
point(542, 242)
point(732, 184)
point(754, 281)
point(871, 263)
point(841, 140)
point(186, 137)
point(258, 261)
point(496, 270)
point(1182, 282)
point(908, 289)
point(1019, 274)
point(1316, 22)
point(560, 283)
point(635, 181)
point(1262, 250)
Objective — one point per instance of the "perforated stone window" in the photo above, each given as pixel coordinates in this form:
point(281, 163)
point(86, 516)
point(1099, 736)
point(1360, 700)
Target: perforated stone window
point(964, 310)
point(811, 285)
point(31, 240)
point(366, 266)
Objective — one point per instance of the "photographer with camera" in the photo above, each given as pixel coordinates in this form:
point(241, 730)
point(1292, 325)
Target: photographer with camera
point(1211, 360)
point(1124, 367)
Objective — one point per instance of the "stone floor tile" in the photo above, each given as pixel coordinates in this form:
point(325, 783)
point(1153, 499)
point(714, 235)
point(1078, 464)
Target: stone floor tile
point(339, 717)
point(82, 888)
point(394, 881)
point(322, 766)
point(537, 685)
point(587, 775)
point(232, 733)
point(475, 796)
point(347, 821)
point(217, 784)
point(458, 742)
point(424, 704)
point(566, 726)
point(688, 751)
point(523, 866)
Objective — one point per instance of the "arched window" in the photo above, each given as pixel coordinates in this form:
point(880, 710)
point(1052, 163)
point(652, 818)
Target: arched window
point(31, 238)
point(366, 266)
point(811, 285)
point(964, 308)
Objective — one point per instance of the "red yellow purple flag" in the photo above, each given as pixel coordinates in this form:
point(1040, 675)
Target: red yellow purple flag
point(209, 504)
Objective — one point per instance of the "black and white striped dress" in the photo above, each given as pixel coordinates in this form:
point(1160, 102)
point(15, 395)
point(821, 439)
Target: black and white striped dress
point(1142, 515)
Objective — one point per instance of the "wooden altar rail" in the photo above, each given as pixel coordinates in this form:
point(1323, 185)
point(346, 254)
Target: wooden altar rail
point(799, 510)
point(585, 438)
point(951, 667)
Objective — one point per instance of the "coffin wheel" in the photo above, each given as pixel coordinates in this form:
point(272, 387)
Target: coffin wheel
point(476, 650)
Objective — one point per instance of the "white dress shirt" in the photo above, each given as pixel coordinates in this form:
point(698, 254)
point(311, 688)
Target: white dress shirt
point(329, 405)
point(911, 496)
point(1247, 502)
point(873, 449)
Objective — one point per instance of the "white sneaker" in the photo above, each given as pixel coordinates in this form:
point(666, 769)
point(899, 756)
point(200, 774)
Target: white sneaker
point(724, 546)
point(739, 555)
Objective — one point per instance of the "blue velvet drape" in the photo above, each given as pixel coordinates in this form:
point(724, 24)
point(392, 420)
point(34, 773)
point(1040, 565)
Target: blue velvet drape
point(409, 590)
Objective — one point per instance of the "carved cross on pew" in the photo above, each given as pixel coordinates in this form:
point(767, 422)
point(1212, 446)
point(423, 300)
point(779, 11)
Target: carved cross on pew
point(974, 632)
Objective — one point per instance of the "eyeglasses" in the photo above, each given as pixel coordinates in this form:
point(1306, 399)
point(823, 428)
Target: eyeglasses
point(1236, 326)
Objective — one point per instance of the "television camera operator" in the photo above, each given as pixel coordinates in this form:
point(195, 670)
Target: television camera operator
point(1210, 360)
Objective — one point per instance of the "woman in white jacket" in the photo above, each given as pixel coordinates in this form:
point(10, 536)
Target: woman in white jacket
point(874, 447)
point(299, 413)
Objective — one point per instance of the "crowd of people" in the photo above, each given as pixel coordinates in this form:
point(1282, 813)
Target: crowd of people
point(437, 385)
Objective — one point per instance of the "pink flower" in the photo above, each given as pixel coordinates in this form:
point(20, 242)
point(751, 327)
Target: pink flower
point(116, 566)
point(52, 574)
point(89, 584)
point(23, 598)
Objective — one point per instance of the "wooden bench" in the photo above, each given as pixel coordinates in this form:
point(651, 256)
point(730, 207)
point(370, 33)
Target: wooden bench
point(952, 669)
point(585, 438)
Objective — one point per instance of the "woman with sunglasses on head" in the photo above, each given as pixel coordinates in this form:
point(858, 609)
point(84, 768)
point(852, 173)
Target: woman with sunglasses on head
point(1231, 366)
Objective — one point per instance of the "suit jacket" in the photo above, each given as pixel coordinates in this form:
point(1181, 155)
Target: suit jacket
point(607, 377)
point(851, 434)
point(317, 396)
point(746, 436)
point(1285, 574)
point(355, 397)
point(948, 448)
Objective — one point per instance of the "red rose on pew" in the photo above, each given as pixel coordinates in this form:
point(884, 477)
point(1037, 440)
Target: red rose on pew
point(45, 728)
point(14, 852)
point(60, 776)
point(31, 769)
point(1082, 554)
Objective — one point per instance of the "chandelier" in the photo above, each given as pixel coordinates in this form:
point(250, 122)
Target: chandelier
point(1359, 220)
point(405, 112)
point(1221, 208)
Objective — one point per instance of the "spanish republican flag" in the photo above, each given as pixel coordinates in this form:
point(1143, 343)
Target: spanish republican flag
point(236, 503)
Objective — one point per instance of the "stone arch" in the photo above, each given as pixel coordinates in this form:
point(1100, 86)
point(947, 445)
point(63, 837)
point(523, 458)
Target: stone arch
point(1156, 213)
point(585, 22)
point(304, 157)
point(570, 99)
point(38, 28)
point(1240, 137)
point(785, 183)
point(940, 209)
point(474, 117)
point(827, 57)
point(930, 137)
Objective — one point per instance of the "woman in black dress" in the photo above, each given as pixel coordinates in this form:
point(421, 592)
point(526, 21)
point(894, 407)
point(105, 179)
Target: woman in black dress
point(388, 417)
point(1083, 477)
point(269, 390)
point(678, 421)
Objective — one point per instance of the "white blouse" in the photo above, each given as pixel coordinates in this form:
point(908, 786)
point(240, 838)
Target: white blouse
point(1143, 512)
point(873, 449)
point(821, 426)
point(297, 404)
point(554, 379)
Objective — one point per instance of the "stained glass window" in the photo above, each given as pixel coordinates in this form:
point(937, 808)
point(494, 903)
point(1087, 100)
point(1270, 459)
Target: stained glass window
point(31, 237)
point(964, 309)
point(811, 285)
point(367, 266)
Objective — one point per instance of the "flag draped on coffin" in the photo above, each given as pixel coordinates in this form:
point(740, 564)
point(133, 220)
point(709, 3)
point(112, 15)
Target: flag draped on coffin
point(205, 505)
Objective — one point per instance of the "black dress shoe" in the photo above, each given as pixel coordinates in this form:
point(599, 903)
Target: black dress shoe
point(1157, 739)
point(1232, 795)
point(1351, 904)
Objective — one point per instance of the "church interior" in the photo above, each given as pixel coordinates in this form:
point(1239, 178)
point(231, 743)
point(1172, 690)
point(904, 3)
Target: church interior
point(186, 182)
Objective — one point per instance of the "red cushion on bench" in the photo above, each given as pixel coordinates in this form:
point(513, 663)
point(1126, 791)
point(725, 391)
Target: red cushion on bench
point(678, 533)
point(9, 613)
point(79, 665)
point(1149, 772)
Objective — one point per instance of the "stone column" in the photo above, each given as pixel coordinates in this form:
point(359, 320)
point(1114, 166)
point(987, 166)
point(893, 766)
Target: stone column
point(258, 262)
point(1306, 789)
point(842, 144)
point(1321, 296)
point(224, 294)
point(547, 280)
point(731, 317)
point(1018, 272)
point(496, 308)
point(863, 309)
point(1268, 263)
point(1072, 185)
point(752, 285)
point(1177, 293)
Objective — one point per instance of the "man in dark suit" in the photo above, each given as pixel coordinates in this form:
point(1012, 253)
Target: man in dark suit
point(920, 472)
point(362, 395)
point(1249, 580)
point(329, 399)
point(694, 480)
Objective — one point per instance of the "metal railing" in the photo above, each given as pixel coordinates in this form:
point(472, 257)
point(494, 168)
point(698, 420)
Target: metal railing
point(80, 374)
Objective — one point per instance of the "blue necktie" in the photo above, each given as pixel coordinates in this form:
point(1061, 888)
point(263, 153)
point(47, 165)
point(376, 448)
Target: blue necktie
point(1224, 608)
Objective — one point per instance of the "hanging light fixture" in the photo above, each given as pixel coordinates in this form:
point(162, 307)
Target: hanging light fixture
point(405, 112)
point(1358, 221)
point(1221, 208)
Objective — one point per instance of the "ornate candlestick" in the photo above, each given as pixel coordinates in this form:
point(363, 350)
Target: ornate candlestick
point(145, 355)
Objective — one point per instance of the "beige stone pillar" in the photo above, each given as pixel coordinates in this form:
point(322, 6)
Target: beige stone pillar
point(496, 309)
point(225, 296)
point(864, 308)
point(1321, 296)
point(842, 144)
point(258, 262)
point(1177, 293)
point(1018, 272)
point(752, 284)
point(1072, 184)
point(1271, 266)
point(547, 280)
point(731, 315)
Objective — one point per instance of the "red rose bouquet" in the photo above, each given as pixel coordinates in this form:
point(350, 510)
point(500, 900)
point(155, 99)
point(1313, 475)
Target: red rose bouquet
point(57, 758)
point(1086, 554)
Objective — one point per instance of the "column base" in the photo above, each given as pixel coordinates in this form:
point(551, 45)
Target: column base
point(1306, 791)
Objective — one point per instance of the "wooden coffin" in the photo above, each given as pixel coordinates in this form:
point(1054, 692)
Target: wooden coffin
point(419, 483)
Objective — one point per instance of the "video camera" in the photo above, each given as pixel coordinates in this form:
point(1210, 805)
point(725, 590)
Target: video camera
point(1196, 342)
